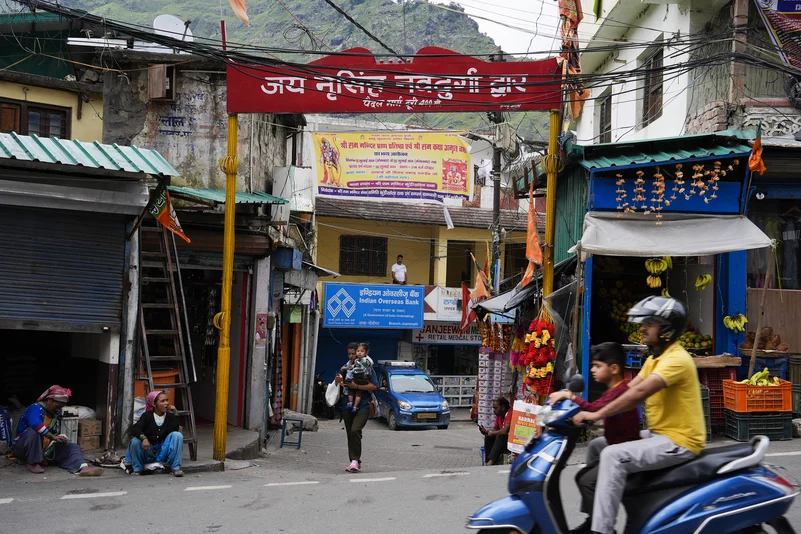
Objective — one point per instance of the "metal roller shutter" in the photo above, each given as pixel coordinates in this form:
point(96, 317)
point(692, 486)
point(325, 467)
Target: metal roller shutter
point(332, 346)
point(61, 270)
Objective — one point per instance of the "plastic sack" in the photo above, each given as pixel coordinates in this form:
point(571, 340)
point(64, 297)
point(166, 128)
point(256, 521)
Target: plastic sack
point(332, 394)
point(139, 408)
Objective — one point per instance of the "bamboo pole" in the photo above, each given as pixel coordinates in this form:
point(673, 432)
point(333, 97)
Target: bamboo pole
point(768, 281)
point(223, 319)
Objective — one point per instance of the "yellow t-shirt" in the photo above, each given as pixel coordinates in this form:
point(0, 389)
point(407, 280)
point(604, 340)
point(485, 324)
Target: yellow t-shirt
point(676, 411)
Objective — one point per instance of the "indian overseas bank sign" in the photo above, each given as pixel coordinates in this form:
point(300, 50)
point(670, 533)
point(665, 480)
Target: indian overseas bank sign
point(372, 306)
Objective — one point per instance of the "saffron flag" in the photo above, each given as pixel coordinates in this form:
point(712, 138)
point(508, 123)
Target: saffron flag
point(160, 207)
point(755, 162)
point(240, 10)
point(533, 250)
point(468, 315)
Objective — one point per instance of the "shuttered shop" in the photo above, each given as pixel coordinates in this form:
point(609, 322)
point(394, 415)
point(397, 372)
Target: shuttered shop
point(61, 270)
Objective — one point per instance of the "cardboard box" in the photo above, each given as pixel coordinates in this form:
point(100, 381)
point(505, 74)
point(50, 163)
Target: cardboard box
point(88, 443)
point(89, 428)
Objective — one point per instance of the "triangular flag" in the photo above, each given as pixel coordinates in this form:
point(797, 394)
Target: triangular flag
point(755, 162)
point(160, 207)
point(533, 250)
point(240, 10)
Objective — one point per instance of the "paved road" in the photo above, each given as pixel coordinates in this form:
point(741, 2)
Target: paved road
point(426, 481)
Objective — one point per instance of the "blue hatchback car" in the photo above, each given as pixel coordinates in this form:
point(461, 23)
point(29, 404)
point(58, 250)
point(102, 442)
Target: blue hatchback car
point(408, 398)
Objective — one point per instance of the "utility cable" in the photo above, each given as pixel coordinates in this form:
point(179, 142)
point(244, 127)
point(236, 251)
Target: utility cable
point(362, 28)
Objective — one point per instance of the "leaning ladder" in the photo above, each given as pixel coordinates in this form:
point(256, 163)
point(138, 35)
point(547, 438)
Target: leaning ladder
point(162, 335)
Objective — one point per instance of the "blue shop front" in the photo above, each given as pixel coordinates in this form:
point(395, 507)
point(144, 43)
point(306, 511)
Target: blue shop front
point(660, 217)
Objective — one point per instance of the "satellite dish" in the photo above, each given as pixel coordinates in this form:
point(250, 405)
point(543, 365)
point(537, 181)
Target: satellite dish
point(172, 26)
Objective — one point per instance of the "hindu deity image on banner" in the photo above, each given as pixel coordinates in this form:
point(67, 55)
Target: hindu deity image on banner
point(404, 165)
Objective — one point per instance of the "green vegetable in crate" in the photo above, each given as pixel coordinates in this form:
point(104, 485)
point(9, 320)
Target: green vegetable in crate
point(762, 378)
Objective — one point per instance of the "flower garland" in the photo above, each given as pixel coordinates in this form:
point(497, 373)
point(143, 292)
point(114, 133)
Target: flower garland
point(539, 356)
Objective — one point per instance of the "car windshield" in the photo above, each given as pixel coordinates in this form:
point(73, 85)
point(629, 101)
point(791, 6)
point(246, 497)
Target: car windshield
point(412, 384)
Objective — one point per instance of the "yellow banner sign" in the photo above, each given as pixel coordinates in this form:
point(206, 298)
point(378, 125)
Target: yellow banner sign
point(393, 165)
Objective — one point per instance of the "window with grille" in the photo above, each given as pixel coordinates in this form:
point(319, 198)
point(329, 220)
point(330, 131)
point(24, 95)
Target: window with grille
point(605, 120)
point(363, 255)
point(652, 89)
point(32, 119)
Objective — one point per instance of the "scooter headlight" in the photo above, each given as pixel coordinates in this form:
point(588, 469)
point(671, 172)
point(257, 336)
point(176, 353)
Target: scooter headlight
point(548, 416)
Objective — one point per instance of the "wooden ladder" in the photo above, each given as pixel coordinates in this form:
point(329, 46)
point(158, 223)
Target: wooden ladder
point(162, 333)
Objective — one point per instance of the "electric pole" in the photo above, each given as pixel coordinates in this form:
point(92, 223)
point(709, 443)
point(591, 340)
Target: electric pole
point(496, 117)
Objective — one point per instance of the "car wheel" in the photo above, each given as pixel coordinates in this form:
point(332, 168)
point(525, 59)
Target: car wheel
point(442, 427)
point(392, 421)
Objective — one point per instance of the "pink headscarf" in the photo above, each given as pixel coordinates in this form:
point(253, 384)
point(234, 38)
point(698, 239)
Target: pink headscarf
point(56, 393)
point(151, 399)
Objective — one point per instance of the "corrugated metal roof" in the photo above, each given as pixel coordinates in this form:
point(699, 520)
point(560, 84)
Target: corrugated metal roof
point(32, 148)
point(218, 196)
point(611, 155)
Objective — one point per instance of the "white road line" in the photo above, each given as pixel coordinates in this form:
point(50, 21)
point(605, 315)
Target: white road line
point(5, 501)
point(94, 495)
point(202, 488)
point(504, 471)
point(292, 483)
point(437, 475)
point(385, 479)
point(793, 453)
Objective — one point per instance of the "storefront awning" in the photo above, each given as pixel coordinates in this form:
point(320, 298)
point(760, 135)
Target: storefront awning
point(320, 271)
point(217, 196)
point(679, 235)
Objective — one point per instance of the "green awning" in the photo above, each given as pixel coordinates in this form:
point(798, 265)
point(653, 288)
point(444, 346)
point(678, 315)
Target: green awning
point(218, 196)
point(77, 155)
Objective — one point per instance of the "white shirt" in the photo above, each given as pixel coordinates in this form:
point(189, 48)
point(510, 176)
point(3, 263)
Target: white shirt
point(159, 419)
point(399, 270)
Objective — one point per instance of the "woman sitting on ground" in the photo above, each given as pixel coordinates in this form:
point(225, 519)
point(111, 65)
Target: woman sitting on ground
point(156, 437)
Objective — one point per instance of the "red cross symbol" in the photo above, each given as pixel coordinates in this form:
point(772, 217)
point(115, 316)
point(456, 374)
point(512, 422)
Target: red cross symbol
point(419, 337)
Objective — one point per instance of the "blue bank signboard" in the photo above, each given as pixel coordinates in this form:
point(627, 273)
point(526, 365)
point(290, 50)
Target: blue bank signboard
point(372, 306)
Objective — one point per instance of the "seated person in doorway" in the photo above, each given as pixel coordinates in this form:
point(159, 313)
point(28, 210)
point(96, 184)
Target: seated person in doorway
point(495, 440)
point(399, 271)
point(359, 370)
point(156, 437)
point(39, 439)
point(608, 361)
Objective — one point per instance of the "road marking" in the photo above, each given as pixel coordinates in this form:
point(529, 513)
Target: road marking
point(5, 501)
point(385, 479)
point(202, 488)
point(504, 471)
point(292, 483)
point(793, 453)
point(437, 475)
point(94, 495)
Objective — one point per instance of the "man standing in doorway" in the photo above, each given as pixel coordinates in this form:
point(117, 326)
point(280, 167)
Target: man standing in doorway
point(399, 272)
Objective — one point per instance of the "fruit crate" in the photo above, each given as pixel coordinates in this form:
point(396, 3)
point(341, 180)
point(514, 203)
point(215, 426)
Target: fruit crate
point(707, 415)
point(716, 409)
point(713, 378)
point(795, 370)
point(745, 398)
point(744, 426)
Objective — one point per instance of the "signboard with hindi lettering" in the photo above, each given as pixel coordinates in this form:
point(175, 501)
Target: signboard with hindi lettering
point(783, 20)
point(372, 306)
point(396, 165)
point(356, 81)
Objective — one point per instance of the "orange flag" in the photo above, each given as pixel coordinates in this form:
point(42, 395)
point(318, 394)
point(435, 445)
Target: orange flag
point(160, 207)
point(755, 162)
point(240, 10)
point(533, 250)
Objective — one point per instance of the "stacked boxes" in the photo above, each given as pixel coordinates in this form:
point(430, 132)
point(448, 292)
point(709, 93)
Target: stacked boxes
point(758, 410)
point(494, 379)
point(713, 379)
point(89, 431)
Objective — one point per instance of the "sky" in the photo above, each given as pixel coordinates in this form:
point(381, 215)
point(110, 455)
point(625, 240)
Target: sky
point(534, 21)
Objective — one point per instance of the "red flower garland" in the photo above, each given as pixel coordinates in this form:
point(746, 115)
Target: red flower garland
point(539, 356)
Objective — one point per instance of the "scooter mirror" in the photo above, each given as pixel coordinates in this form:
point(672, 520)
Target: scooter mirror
point(576, 384)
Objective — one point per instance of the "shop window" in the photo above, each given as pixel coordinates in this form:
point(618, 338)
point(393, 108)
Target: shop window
point(361, 255)
point(34, 119)
point(652, 88)
point(605, 119)
point(781, 221)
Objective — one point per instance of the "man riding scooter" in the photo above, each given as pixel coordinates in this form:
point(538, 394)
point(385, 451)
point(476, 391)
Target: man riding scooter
point(668, 384)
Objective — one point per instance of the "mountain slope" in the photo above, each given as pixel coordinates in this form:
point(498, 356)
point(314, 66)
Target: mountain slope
point(405, 27)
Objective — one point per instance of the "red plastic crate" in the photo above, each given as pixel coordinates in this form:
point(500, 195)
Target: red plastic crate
point(716, 414)
point(744, 398)
point(713, 378)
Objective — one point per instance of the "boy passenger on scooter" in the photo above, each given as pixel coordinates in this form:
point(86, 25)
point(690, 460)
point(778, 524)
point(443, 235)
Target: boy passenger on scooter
point(668, 383)
point(608, 361)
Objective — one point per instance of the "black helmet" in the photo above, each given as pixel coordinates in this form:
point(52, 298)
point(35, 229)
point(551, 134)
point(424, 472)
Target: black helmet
point(665, 311)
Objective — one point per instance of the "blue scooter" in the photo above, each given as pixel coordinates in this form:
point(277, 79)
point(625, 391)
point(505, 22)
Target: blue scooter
point(725, 490)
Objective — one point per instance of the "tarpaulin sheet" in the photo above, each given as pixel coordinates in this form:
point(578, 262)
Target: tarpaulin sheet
point(678, 235)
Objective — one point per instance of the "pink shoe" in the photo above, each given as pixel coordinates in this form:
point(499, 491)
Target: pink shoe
point(36, 469)
point(353, 467)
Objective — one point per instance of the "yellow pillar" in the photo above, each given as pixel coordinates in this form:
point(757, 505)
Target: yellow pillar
point(550, 165)
point(223, 319)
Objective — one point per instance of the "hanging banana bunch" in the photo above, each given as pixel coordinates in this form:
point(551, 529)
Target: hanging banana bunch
point(703, 281)
point(735, 324)
point(653, 281)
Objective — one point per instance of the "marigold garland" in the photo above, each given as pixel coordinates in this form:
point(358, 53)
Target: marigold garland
point(538, 356)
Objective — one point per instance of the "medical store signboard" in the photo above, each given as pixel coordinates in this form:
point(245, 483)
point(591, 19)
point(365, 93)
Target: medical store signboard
point(372, 306)
point(446, 334)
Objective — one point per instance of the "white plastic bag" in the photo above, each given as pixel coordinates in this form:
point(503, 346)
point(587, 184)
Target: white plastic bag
point(332, 394)
point(139, 408)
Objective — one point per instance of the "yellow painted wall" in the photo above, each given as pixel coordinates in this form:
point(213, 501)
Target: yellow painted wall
point(411, 240)
point(89, 128)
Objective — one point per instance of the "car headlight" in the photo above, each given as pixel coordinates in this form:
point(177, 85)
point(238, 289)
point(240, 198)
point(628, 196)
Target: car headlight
point(445, 405)
point(404, 405)
point(547, 416)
